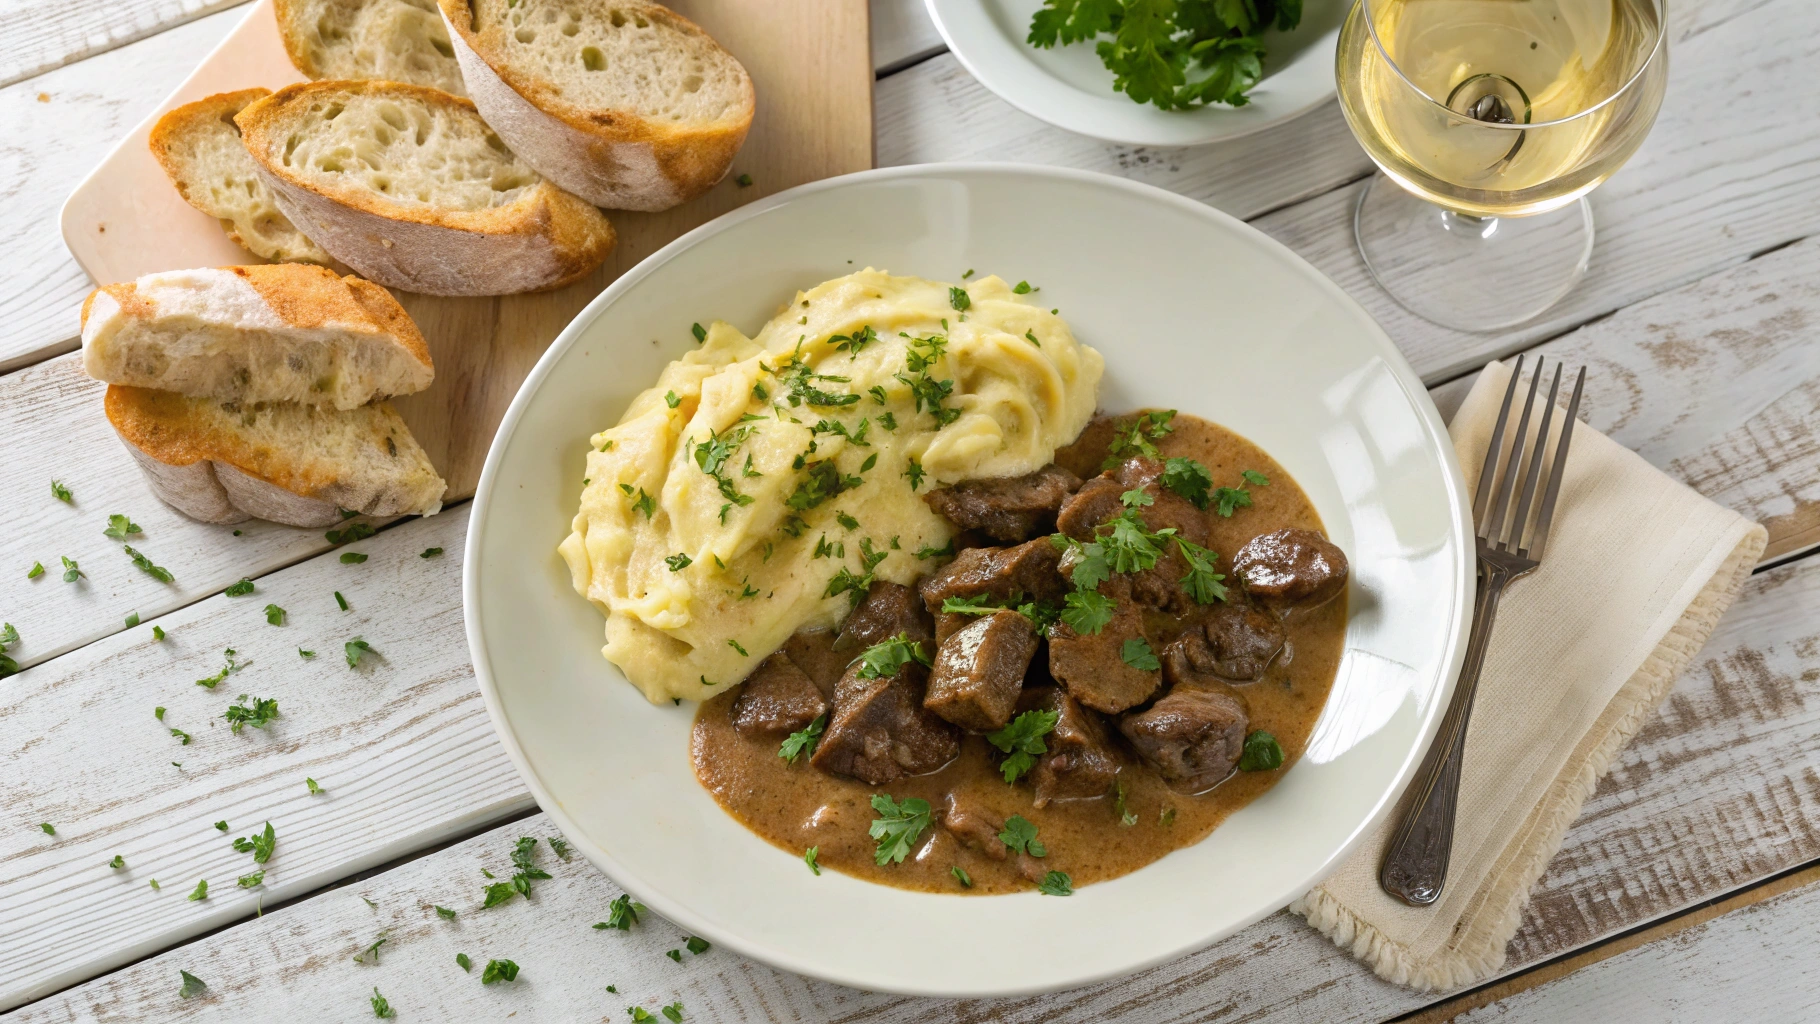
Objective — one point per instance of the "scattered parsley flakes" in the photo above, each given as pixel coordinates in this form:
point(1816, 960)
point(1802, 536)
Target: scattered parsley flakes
point(48, 829)
point(155, 884)
point(430, 553)
point(249, 881)
point(1056, 883)
point(897, 827)
point(354, 532)
point(883, 660)
point(639, 1014)
point(960, 875)
point(645, 504)
point(228, 669)
point(1189, 479)
point(35, 571)
point(352, 558)
point(1023, 288)
point(674, 954)
point(855, 343)
point(260, 712)
point(1136, 652)
point(914, 473)
point(561, 846)
point(1022, 739)
point(700, 332)
point(743, 181)
point(809, 859)
point(221, 826)
point(1136, 435)
point(356, 649)
point(945, 551)
point(118, 526)
point(371, 953)
point(201, 892)
point(117, 863)
point(342, 601)
point(803, 741)
point(157, 572)
point(671, 400)
point(622, 914)
point(132, 619)
point(240, 589)
point(274, 615)
point(314, 787)
point(1166, 817)
point(1226, 499)
point(71, 571)
point(462, 961)
point(959, 299)
point(498, 970)
point(1126, 818)
point(735, 645)
point(62, 493)
point(259, 844)
point(679, 561)
point(305, 655)
point(1030, 336)
point(673, 1012)
point(445, 913)
point(381, 1008)
point(192, 985)
point(1262, 753)
point(1255, 478)
point(1020, 835)
point(157, 632)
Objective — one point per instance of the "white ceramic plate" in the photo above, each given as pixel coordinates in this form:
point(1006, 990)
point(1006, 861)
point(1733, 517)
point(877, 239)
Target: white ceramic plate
point(1193, 310)
point(1070, 88)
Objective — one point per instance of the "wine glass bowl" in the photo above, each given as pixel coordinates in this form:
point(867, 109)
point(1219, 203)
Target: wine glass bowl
point(1493, 110)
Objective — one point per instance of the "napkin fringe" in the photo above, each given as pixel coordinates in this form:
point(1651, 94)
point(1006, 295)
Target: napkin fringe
point(1479, 952)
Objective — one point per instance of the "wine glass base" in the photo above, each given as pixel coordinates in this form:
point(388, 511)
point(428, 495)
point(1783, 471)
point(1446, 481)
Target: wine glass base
point(1470, 273)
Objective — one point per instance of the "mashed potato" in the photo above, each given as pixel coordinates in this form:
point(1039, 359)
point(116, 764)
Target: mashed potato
point(762, 482)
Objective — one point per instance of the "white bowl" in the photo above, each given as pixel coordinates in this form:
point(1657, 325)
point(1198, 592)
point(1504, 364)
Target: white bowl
point(1193, 310)
point(1070, 88)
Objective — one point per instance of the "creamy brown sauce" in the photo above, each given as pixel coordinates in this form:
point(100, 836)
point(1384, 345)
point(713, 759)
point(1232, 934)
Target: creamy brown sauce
point(796, 807)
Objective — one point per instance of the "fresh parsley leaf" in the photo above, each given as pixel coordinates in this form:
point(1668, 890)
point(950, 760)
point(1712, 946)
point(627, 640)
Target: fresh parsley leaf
point(960, 875)
point(674, 954)
point(354, 532)
point(1262, 753)
point(132, 619)
point(183, 738)
point(305, 655)
point(1189, 479)
point(1023, 288)
point(118, 526)
point(679, 561)
point(1056, 883)
point(462, 961)
point(803, 741)
point(1126, 818)
point(352, 557)
point(622, 914)
point(157, 632)
point(1255, 478)
point(1202, 583)
point(1030, 336)
point(959, 299)
point(201, 892)
point(561, 847)
point(356, 649)
point(371, 953)
point(261, 711)
point(1226, 499)
point(914, 473)
point(846, 521)
point(1136, 652)
point(1020, 835)
point(1135, 436)
point(1138, 498)
point(855, 343)
point(342, 601)
point(445, 913)
point(430, 553)
point(314, 786)
point(743, 181)
point(700, 332)
point(671, 400)
point(498, 970)
point(240, 589)
point(883, 660)
point(259, 844)
point(221, 826)
point(227, 669)
point(698, 945)
point(673, 1012)
point(497, 893)
point(35, 571)
point(381, 1008)
point(945, 551)
point(71, 571)
point(117, 863)
point(274, 615)
point(249, 881)
point(897, 826)
point(1087, 611)
point(809, 859)
point(48, 829)
point(639, 1014)
point(157, 572)
point(192, 986)
point(1166, 817)
point(62, 493)
point(1022, 739)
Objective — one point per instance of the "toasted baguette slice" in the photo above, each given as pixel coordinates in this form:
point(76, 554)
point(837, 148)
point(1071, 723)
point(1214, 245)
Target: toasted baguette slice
point(292, 464)
point(408, 186)
point(396, 40)
point(284, 332)
point(624, 103)
point(199, 146)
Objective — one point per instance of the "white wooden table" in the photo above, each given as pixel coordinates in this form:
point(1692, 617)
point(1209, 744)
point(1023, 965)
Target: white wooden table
point(1687, 890)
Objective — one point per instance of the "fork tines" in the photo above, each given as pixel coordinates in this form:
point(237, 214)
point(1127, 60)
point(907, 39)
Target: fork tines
point(1498, 528)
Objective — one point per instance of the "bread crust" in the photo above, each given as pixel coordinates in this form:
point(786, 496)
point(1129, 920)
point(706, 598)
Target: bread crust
point(546, 238)
point(612, 158)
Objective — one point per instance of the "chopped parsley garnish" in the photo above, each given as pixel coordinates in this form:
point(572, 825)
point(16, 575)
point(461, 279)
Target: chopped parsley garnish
point(673, 1012)
point(803, 741)
point(671, 400)
point(117, 863)
point(430, 553)
point(352, 558)
point(132, 619)
point(249, 881)
point(1087, 611)
point(48, 829)
point(445, 913)
point(1262, 753)
point(1202, 583)
point(157, 572)
point(157, 632)
point(1030, 336)
point(713, 455)
point(1166, 817)
point(62, 493)
point(201, 892)
point(1018, 834)
point(888, 420)
point(342, 601)
point(622, 914)
point(700, 332)
point(228, 669)
point(305, 655)
point(698, 945)
point(561, 846)
point(192, 985)
point(1189, 479)
point(71, 571)
point(1135, 436)
point(313, 785)
point(1255, 478)
point(639, 1014)
point(371, 953)
point(274, 615)
point(846, 521)
point(679, 561)
point(855, 343)
point(736, 646)
point(897, 826)
point(259, 844)
point(261, 711)
point(1056, 883)
point(959, 299)
point(821, 482)
point(1226, 499)
point(800, 386)
point(914, 473)
point(645, 503)
point(945, 551)
point(240, 589)
point(1023, 288)
point(1136, 652)
point(968, 274)
point(381, 1008)
point(1175, 57)
point(809, 859)
point(118, 526)
point(743, 181)
point(853, 584)
point(35, 571)
point(1022, 739)
point(498, 970)
point(354, 532)
point(9, 637)
point(883, 660)
point(356, 649)
point(1126, 818)
point(221, 826)
point(462, 961)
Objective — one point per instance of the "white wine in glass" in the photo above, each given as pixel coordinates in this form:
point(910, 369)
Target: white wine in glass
point(1492, 110)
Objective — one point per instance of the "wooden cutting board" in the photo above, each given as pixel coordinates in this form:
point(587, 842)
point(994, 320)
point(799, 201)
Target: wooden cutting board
point(810, 62)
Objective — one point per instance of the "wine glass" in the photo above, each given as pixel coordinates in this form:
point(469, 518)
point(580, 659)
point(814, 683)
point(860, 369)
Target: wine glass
point(1490, 120)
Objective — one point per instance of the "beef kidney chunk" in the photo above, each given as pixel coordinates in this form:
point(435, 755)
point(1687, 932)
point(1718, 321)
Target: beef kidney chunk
point(880, 731)
point(979, 671)
point(890, 609)
point(1101, 499)
point(974, 826)
point(1008, 510)
point(778, 697)
point(1086, 455)
point(1292, 568)
point(1091, 666)
point(1193, 737)
point(1231, 642)
point(997, 574)
point(813, 651)
point(1081, 761)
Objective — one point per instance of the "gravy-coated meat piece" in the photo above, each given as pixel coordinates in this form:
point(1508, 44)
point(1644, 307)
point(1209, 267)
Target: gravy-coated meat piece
point(1028, 569)
point(1100, 500)
point(889, 609)
point(1008, 510)
point(1292, 568)
point(813, 651)
point(1092, 667)
point(778, 697)
point(979, 671)
point(1081, 762)
point(1232, 642)
point(1192, 737)
point(974, 826)
point(880, 731)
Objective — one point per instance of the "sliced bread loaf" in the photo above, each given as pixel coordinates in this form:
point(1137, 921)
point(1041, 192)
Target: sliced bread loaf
point(397, 40)
point(199, 146)
point(284, 332)
point(408, 186)
point(293, 464)
point(624, 103)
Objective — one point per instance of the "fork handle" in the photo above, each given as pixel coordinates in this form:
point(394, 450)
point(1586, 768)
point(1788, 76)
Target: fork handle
point(1415, 864)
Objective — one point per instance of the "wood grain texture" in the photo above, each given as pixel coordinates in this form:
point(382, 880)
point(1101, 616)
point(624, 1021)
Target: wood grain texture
point(39, 39)
point(1716, 182)
point(1718, 383)
point(1659, 817)
point(401, 745)
point(902, 34)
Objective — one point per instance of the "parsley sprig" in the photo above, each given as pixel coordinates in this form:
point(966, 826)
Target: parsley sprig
point(897, 826)
point(1022, 739)
point(1175, 54)
point(803, 741)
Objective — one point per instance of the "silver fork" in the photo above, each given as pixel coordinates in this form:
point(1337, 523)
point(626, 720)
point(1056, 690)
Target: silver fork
point(1415, 865)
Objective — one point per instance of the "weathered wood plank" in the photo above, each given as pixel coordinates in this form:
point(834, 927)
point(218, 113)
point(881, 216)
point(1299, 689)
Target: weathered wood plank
point(41, 37)
point(902, 34)
point(1687, 794)
point(1709, 188)
point(401, 745)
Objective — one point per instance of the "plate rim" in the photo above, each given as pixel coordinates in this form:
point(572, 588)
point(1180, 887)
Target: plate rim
point(996, 85)
point(478, 516)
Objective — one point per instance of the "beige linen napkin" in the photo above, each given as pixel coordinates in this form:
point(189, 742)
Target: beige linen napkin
point(1638, 570)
